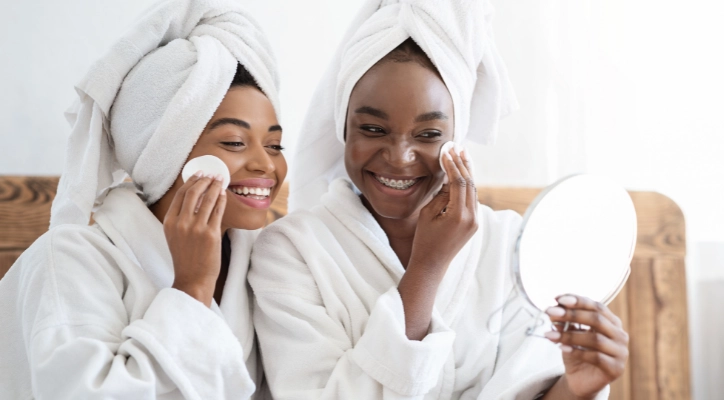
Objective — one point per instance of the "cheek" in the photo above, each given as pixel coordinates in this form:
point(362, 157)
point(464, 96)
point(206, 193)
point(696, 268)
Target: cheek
point(357, 154)
point(280, 165)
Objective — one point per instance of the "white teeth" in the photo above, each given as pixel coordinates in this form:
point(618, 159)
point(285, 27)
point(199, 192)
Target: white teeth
point(253, 191)
point(396, 184)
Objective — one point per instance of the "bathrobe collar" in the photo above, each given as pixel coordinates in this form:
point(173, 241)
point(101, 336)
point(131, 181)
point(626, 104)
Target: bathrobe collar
point(344, 203)
point(133, 228)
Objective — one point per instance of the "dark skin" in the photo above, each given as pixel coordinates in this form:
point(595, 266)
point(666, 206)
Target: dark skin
point(245, 134)
point(398, 117)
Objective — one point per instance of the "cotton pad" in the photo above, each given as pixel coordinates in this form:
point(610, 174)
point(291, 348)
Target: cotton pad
point(210, 166)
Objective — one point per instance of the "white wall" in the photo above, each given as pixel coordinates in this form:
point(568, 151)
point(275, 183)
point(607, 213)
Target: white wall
point(631, 89)
point(46, 47)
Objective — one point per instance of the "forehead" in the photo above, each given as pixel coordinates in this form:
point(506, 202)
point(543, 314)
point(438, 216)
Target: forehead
point(248, 104)
point(401, 88)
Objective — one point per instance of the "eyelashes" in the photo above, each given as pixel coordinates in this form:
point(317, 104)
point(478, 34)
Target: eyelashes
point(373, 130)
point(237, 145)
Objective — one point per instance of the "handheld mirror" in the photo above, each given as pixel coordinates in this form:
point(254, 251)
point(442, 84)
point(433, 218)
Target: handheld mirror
point(578, 237)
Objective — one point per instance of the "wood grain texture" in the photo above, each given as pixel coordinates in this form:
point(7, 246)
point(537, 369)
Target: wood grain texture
point(672, 341)
point(7, 258)
point(24, 209)
point(621, 389)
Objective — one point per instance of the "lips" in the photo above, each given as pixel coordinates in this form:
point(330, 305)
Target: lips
point(254, 192)
point(399, 184)
point(395, 186)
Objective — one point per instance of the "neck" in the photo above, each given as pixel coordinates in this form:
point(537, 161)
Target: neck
point(400, 232)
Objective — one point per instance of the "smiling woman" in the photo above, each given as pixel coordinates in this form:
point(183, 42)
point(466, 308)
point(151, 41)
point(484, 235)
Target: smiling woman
point(245, 134)
point(394, 284)
point(122, 308)
point(392, 143)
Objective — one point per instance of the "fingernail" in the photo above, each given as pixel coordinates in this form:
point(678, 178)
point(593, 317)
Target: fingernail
point(566, 349)
point(568, 301)
point(458, 148)
point(555, 312)
point(449, 157)
point(198, 174)
point(218, 177)
point(552, 335)
point(223, 192)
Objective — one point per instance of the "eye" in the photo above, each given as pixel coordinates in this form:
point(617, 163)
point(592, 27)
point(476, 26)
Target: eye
point(275, 147)
point(374, 129)
point(233, 144)
point(430, 134)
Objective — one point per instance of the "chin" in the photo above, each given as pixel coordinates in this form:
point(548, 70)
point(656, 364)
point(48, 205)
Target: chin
point(394, 210)
point(247, 220)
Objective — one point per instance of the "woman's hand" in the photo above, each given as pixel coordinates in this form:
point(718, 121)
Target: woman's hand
point(445, 225)
point(593, 358)
point(193, 231)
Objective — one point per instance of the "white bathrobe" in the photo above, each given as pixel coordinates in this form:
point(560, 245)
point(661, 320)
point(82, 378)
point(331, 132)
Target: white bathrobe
point(88, 312)
point(330, 320)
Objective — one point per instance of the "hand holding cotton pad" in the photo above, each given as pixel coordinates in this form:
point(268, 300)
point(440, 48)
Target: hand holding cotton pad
point(443, 150)
point(210, 166)
point(458, 149)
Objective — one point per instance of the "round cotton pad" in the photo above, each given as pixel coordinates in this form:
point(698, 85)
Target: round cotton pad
point(209, 165)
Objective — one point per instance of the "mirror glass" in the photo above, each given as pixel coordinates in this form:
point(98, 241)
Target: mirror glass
point(578, 236)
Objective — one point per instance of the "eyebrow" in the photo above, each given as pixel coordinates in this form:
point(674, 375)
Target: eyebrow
point(232, 121)
point(372, 111)
point(433, 115)
point(240, 123)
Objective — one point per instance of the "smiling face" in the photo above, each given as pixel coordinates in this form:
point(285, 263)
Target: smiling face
point(399, 115)
point(245, 134)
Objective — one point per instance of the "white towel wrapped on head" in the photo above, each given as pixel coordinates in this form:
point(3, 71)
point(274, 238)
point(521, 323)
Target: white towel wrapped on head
point(457, 37)
point(143, 105)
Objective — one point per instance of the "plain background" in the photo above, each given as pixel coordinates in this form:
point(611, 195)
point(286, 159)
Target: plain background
point(630, 89)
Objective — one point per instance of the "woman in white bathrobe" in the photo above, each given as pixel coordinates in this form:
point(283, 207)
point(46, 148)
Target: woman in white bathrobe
point(392, 287)
point(151, 301)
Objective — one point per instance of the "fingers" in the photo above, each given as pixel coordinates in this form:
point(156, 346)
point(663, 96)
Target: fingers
point(208, 201)
point(593, 319)
point(192, 196)
point(178, 199)
point(457, 182)
point(439, 202)
point(467, 169)
point(571, 301)
point(588, 340)
point(218, 212)
point(611, 366)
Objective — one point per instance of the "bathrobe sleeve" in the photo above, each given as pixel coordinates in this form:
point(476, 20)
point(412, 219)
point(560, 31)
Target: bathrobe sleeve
point(308, 346)
point(81, 344)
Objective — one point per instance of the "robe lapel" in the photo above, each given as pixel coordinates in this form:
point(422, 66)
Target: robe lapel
point(344, 203)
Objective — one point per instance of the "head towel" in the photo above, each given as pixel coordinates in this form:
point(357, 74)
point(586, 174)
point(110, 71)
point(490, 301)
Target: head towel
point(142, 106)
point(457, 37)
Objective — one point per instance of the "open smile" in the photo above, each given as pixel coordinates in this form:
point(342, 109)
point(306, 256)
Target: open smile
point(255, 193)
point(396, 185)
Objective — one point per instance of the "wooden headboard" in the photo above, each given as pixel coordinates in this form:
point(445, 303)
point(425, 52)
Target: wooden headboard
point(652, 305)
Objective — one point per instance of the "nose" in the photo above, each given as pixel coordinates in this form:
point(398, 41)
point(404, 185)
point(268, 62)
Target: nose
point(400, 153)
point(259, 160)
